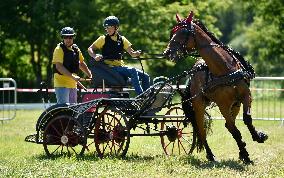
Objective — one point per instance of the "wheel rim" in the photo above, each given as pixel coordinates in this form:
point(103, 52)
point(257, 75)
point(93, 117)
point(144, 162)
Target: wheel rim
point(64, 135)
point(177, 139)
point(111, 135)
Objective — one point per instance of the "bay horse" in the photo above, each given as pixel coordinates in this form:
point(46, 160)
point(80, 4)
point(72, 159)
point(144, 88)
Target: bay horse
point(226, 83)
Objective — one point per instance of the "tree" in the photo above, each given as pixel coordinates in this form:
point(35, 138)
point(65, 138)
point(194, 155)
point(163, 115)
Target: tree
point(262, 37)
point(29, 31)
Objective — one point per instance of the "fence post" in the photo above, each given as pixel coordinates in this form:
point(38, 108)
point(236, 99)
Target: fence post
point(9, 99)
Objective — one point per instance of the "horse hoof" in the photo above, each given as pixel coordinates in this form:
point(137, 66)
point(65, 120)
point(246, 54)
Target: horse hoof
point(261, 137)
point(246, 160)
point(211, 158)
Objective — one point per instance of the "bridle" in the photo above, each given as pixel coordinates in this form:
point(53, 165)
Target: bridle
point(180, 47)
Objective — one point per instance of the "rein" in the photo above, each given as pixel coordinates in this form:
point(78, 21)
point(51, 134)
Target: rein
point(189, 29)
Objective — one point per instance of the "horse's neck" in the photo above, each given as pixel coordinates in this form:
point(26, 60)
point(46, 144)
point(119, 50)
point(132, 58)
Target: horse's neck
point(218, 60)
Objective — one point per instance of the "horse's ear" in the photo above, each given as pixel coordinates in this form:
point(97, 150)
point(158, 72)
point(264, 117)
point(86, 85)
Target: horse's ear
point(189, 18)
point(178, 18)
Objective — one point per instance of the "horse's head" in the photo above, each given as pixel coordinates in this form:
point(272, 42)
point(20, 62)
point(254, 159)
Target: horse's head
point(182, 39)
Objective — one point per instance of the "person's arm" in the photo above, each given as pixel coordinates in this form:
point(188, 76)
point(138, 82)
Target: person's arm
point(91, 52)
point(132, 52)
point(128, 47)
point(59, 66)
point(83, 66)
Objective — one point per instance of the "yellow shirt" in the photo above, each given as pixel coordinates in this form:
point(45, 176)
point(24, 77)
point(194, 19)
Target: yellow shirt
point(63, 80)
point(100, 42)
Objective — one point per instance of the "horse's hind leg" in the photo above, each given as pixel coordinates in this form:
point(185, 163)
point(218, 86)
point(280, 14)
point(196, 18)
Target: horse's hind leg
point(243, 154)
point(258, 136)
point(231, 126)
point(199, 111)
point(209, 155)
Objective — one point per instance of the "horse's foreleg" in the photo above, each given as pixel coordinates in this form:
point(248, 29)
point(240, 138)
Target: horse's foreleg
point(258, 136)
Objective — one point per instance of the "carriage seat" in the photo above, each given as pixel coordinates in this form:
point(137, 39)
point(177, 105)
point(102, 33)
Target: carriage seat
point(103, 74)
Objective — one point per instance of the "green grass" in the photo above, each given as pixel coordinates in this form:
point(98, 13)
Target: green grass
point(145, 156)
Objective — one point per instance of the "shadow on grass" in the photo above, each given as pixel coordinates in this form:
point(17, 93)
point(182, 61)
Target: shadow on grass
point(85, 157)
point(231, 164)
point(94, 157)
point(192, 160)
point(139, 158)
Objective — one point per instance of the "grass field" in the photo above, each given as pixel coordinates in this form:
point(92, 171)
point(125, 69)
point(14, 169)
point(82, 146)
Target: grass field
point(145, 156)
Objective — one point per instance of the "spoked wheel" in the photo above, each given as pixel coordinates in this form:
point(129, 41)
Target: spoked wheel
point(179, 137)
point(64, 136)
point(112, 135)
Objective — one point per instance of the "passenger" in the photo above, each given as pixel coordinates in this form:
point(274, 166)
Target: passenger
point(67, 60)
point(112, 45)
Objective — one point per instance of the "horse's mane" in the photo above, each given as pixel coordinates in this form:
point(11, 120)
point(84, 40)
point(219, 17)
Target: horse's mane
point(210, 34)
point(235, 54)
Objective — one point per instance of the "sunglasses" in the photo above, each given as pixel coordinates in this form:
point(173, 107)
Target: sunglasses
point(108, 27)
point(68, 37)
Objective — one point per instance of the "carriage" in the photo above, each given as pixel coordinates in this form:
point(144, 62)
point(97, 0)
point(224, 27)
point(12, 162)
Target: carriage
point(107, 120)
point(222, 77)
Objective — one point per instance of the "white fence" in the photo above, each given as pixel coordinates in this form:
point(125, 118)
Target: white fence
point(8, 89)
point(267, 92)
point(268, 98)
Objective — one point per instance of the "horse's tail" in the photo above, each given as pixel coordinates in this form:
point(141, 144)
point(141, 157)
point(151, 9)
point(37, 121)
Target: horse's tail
point(190, 116)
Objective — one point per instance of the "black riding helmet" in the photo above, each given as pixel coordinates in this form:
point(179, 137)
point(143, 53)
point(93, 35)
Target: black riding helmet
point(67, 31)
point(111, 21)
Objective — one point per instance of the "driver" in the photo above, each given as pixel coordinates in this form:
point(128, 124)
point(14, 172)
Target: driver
point(112, 45)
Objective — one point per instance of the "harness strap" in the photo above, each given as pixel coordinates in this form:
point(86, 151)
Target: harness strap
point(224, 80)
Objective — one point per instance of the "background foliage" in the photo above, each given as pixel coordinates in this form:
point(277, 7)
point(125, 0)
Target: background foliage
point(29, 31)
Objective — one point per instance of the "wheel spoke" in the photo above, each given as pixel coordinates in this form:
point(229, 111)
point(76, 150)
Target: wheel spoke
point(178, 142)
point(74, 150)
point(53, 142)
point(104, 149)
point(67, 125)
point(53, 126)
point(186, 140)
point(62, 147)
point(173, 147)
point(112, 148)
point(56, 149)
point(167, 145)
point(182, 146)
point(68, 151)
